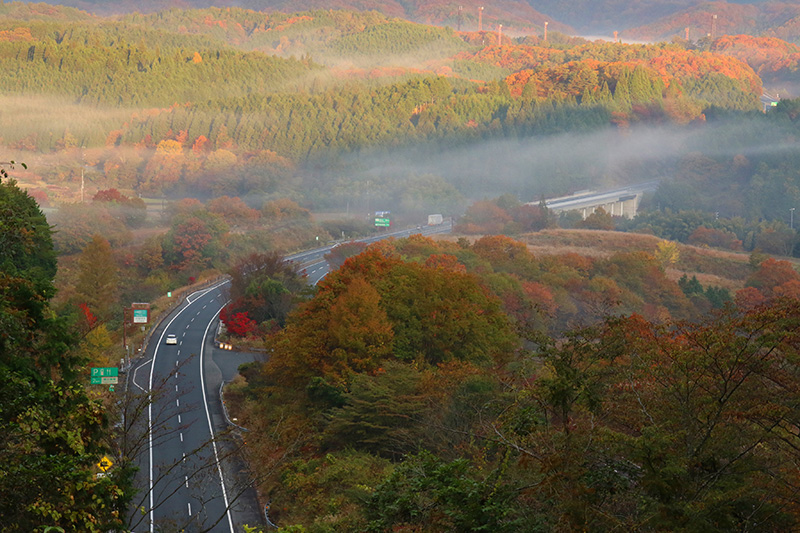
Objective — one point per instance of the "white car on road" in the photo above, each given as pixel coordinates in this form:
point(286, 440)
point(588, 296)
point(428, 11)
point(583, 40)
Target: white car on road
point(171, 339)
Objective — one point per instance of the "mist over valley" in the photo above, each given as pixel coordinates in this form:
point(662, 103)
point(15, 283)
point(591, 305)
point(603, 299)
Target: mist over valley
point(292, 266)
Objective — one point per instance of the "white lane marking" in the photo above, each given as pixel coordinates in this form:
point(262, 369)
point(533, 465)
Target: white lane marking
point(181, 436)
point(210, 427)
point(184, 457)
point(176, 388)
point(150, 408)
point(135, 371)
point(179, 419)
point(321, 278)
point(176, 375)
point(204, 307)
point(177, 401)
point(176, 363)
point(203, 292)
point(186, 479)
point(190, 507)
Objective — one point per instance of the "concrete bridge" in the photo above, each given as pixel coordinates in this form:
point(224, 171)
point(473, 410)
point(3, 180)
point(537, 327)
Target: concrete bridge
point(622, 202)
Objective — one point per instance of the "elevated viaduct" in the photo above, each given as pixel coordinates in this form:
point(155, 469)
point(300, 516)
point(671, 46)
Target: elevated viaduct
point(621, 202)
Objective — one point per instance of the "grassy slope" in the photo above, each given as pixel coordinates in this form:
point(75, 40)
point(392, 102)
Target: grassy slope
point(712, 267)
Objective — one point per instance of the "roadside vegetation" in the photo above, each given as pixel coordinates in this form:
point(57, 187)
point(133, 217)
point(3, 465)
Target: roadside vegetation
point(529, 372)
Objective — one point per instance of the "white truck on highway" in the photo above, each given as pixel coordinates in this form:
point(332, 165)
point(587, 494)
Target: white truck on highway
point(435, 220)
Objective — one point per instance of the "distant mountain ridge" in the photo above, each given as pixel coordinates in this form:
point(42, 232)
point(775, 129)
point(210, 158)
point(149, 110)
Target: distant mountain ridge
point(647, 20)
point(516, 16)
point(764, 19)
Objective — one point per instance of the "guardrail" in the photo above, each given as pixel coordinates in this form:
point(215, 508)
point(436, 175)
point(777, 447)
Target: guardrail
point(158, 315)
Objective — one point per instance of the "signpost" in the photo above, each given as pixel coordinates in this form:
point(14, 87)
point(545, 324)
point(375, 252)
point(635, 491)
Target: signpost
point(105, 375)
point(382, 219)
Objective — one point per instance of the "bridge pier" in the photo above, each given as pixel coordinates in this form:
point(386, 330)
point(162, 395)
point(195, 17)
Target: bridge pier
point(619, 203)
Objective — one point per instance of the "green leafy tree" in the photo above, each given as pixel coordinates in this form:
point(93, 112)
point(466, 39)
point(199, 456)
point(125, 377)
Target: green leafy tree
point(428, 493)
point(381, 414)
point(50, 431)
point(266, 287)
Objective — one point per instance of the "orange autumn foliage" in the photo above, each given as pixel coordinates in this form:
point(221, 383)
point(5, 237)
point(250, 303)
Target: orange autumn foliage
point(768, 56)
point(17, 34)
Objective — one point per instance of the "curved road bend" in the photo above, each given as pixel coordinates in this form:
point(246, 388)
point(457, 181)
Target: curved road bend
point(314, 264)
point(184, 470)
point(190, 489)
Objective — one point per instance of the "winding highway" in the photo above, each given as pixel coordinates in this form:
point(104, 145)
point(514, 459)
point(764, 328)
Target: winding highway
point(184, 470)
point(194, 482)
point(316, 268)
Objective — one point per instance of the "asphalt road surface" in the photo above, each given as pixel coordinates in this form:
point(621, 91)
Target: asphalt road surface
point(195, 479)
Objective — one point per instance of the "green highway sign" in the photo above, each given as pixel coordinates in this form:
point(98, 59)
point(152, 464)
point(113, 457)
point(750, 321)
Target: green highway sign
point(110, 380)
point(104, 371)
point(140, 316)
point(382, 222)
point(104, 375)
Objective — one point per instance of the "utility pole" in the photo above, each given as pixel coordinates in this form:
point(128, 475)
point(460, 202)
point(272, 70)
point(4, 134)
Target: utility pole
point(124, 337)
point(460, 14)
point(713, 26)
point(500, 35)
point(480, 18)
point(616, 36)
point(687, 34)
point(545, 30)
point(83, 167)
point(791, 218)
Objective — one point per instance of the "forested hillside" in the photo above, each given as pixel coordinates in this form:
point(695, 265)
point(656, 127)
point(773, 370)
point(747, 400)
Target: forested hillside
point(157, 103)
point(517, 17)
point(417, 391)
point(533, 372)
point(52, 429)
point(336, 108)
point(648, 20)
point(773, 19)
